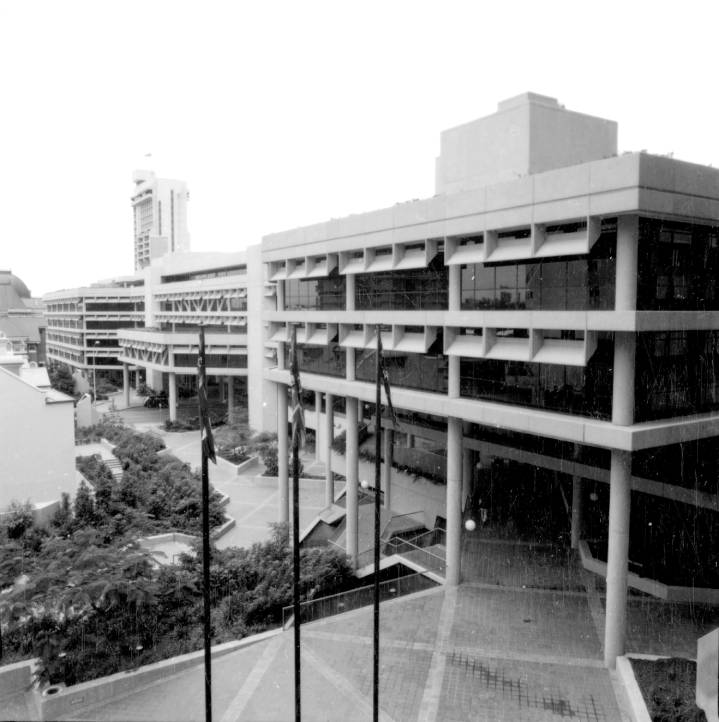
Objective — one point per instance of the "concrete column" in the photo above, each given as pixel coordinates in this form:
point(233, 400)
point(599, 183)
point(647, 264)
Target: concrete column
point(350, 364)
point(283, 463)
point(618, 556)
point(623, 378)
point(625, 289)
point(154, 379)
point(455, 288)
point(125, 385)
point(138, 380)
point(350, 285)
point(318, 417)
point(280, 290)
point(454, 500)
point(172, 394)
point(223, 390)
point(329, 438)
point(281, 355)
point(388, 444)
point(467, 474)
point(410, 441)
point(577, 510)
point(352, 474)
point(453, 377)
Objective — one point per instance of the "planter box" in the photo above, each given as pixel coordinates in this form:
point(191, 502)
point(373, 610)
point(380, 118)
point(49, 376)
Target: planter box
point(640, 713)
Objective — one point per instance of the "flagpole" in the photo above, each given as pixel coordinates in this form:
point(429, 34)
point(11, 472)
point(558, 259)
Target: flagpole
point(294, 372)
point(204, 424)
point(377, 519)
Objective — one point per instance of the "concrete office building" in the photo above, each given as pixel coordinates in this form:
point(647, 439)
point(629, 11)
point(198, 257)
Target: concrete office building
point(160, 212)
point(219, 292)
point(554, 304)
point(83, 324)
point(144, 328)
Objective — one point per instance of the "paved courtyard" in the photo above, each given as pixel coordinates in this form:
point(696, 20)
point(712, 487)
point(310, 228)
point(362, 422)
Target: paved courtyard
point(520, 639)
point(466, 654)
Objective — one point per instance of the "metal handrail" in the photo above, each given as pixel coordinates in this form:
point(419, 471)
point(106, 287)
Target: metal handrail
point(355, 598)
point(437, 532)
point(399, 543)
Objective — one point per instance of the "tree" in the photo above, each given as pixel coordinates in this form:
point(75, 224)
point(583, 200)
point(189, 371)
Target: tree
point(84, 506)
point(19, 519)
point(61, 379)
point(62, 518)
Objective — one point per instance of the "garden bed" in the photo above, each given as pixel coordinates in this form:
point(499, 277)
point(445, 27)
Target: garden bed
point(235, 456)
point(669, 689)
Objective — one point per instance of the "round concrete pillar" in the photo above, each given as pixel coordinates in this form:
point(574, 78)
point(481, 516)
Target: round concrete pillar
point(454, 500)
point(329, 440)
point(617, 556)
point(352, 474)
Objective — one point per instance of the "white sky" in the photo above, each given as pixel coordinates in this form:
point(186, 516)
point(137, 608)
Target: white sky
point(280, 114)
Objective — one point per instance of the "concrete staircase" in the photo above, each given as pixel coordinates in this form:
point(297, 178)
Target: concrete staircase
point(115, 467)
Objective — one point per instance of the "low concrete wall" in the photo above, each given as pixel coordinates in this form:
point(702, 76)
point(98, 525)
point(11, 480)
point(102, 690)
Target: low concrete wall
point(71, 700)
point(177, 537)
point(698, 595)
point(16, 678)
point(222, 530)
point(631, 687)
point(252, 461)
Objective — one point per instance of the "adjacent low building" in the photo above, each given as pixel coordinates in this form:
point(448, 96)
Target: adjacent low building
point(22, 318)
point(37, 436)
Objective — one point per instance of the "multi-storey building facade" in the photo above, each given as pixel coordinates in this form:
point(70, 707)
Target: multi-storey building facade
point(182, 293)
point(147, 325)
point(83, 323)
point(160, 212)
point(553, 304)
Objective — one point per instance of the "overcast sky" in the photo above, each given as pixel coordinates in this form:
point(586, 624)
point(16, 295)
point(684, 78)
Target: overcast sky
point(279, 114)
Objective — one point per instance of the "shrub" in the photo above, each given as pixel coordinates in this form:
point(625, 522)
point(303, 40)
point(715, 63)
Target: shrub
point(84, 506)
point(61, 378)
point(19, 519)
point(268, 454)
point(669, 687)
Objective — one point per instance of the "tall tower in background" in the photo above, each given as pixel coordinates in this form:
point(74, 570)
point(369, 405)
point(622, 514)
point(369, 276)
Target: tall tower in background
point(160, 209)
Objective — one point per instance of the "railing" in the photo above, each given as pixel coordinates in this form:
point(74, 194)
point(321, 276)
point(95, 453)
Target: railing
point(314, 609)
point(366, 557)
point(412, 551)
point(429, 538)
